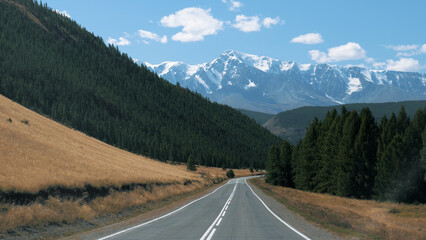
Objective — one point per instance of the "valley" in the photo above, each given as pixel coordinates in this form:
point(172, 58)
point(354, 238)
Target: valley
point(96, 142)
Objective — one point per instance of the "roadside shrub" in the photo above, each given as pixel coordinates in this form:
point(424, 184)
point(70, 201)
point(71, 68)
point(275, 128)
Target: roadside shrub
point(230, 173)
point(190, 164)
point(394, 211)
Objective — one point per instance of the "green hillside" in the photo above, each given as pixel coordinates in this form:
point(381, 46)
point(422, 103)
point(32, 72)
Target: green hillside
point(291, 125)
point(52, 65)
point(259, 117)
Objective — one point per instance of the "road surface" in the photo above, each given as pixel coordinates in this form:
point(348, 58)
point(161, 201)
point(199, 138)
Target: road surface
point(233, 211)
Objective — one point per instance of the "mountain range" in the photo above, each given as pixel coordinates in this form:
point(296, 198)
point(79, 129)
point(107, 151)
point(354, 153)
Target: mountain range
point(265, 84)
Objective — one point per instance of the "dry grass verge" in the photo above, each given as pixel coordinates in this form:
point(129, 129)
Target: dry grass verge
point(53, 175)
point(58, 211)
point(366, 219)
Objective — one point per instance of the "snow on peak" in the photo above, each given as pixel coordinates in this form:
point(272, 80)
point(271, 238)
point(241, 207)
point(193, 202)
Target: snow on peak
point(367, 75)
point(304, 67)
point(285, 66)
point(250, 85)
point(334, 100)
point(354, 85)
point(262, 63)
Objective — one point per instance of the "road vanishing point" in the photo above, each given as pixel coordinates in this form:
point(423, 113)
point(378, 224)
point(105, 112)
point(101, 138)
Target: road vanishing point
point(232, 211)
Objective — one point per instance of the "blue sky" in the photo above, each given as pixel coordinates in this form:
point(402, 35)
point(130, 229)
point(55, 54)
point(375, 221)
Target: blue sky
point(377, 34)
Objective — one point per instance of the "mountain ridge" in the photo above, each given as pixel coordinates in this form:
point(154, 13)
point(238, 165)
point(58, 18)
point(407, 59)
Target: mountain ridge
point(72, 76)
point(265, 84)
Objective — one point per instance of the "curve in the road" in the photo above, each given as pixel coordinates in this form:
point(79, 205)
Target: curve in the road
point(245, 218)
point(156, 219)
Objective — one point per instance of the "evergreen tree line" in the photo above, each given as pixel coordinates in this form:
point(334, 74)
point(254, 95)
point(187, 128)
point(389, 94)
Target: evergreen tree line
point(52, 65)
point(351, 155)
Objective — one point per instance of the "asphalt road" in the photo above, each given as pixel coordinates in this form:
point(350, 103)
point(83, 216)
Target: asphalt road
point(232, 211)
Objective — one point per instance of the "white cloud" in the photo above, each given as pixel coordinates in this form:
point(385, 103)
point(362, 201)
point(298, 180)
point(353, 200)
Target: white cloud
point(407, 54)
point(403, 64)
point(196, 22)
point(408, 50)
point(370, 60)
point(402, 48)
point(349, 51)
point(135, 60)
point(320, 57)
point(235, 5)
point(148, 35)
point(247, 24)
point(152, 36)
point(423, 48)
point(120, 42)
point(63, 13)
point(309, 38)
point(268, 22)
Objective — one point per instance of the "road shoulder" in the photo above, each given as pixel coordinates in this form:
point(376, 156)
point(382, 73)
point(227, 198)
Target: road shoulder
point(311, 230)
point(157, 210)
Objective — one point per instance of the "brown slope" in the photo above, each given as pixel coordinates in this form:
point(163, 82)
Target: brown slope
point(44, 153)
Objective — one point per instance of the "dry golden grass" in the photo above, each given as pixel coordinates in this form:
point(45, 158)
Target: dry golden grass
point(366, 218)
point(58, 211)
point(45, 153)
point(36, 153)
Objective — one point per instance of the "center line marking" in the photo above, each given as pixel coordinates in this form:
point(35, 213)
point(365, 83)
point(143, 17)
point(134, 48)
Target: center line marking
point(223, 214)
point(220, 220)
point(211, 234)
point(209, 230)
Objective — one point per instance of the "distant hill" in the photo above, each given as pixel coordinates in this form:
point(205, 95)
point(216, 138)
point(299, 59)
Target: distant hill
point(259, 117)
point(50, 64)
point(291, 125)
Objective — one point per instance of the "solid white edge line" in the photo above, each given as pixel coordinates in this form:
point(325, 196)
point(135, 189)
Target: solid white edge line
point(276, 216)
point(166, 215)
point(211, 234)
point(217, 218)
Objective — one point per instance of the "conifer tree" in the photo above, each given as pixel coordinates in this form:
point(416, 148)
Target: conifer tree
point(365, 147)
point(273, 166)
point(388, 170)
point(286, 153)
point(308, 159)
point(190, 164)
point(346, 159)
point(326, 176)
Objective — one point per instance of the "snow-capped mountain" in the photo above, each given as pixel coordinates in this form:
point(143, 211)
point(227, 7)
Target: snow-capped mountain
point(269, 85)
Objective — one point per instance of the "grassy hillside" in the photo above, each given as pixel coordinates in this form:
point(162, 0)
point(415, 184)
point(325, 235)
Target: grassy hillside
point(52, 175)
point(38, 152)
point(291, 125)
point(52, 65)
point(259, 117)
